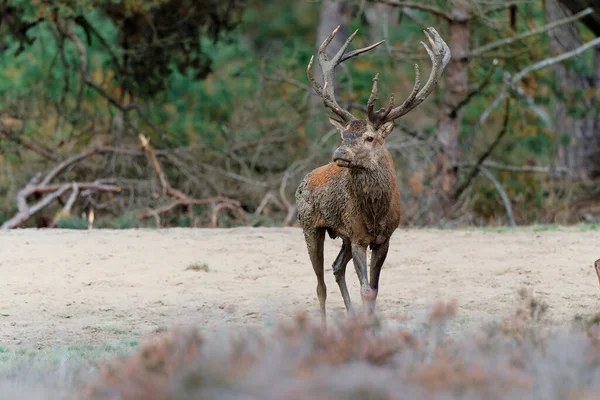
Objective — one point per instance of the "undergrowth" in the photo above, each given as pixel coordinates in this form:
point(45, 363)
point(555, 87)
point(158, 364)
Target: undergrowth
point(516, 357)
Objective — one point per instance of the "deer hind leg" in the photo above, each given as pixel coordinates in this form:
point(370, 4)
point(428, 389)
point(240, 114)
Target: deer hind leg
point(359, 256)
point(378, 255)
point(339, 271)
point(314, 242)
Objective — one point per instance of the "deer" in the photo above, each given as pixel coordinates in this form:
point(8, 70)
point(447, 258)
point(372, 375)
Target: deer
point(355, 197)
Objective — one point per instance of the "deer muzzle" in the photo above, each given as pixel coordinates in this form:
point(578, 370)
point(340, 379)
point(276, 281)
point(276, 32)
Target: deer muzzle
point(342, 157)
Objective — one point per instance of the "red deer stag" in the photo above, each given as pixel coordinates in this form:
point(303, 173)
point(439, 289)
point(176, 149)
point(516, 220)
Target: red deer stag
point(355, 197)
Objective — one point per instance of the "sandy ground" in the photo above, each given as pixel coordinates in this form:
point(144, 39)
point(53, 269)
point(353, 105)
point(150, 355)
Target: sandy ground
point(59, 287)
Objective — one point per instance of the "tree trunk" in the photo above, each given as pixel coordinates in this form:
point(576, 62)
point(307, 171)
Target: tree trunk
point(378, 15)
point(333, 13)
point(455, 90)
point(580, 152)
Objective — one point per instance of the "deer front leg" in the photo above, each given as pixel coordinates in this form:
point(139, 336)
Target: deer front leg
point(378, 255)
point(314, 243)
point(339, 271)
point(359, 256)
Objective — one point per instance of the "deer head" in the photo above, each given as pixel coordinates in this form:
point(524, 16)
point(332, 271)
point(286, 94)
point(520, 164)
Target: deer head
point(363, 141)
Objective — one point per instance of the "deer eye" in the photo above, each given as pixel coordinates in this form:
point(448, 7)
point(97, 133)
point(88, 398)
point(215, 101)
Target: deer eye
point(370, 138)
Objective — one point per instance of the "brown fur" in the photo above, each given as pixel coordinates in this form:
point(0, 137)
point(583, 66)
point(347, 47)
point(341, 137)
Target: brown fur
point(356, 196)
point(356, 199)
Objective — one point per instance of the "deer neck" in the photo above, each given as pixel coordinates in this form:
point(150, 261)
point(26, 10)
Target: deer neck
point(372, 189)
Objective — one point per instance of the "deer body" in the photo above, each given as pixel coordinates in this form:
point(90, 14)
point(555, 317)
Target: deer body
point(361, 205)
point(356, 197)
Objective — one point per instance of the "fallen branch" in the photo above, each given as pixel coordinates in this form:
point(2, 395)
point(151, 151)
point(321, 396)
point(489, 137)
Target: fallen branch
point(181, 198)
point(25, 211)
point(86, 154)
point(166, 187)
point(221, 206)
point(66, 211)
point(269, 198)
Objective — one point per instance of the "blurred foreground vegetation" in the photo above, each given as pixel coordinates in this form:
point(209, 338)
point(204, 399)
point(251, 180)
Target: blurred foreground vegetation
point(516, 356)
point(220, 90)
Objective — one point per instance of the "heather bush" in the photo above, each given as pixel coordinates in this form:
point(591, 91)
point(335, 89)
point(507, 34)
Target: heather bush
point(520, 356)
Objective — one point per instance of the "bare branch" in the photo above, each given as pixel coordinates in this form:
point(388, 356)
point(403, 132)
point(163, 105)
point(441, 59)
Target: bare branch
point(9, 135)
point(221, 206)
point(182, 198)
point(502, 42)
point(477, 167)
point(553, 60)
point(269, 197)
point(503, 195)
point(25, 211)
point(166, 187)
point(500, 7)
point(86, 154)
point(510, 82)
point(68, 205)
point(80, 185)
point(83, 66)
point(486, 80)
point(418, 6)
point(81, 20)
point(519, 168)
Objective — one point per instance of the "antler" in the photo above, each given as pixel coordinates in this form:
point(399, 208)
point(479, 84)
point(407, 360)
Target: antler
point(440, 56)
point(327, 92)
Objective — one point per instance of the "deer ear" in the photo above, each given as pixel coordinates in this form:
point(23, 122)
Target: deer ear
point(338, 125)
point(386, 128)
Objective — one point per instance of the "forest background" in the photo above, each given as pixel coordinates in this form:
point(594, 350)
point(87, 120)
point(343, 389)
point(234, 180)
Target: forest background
point(128, 113)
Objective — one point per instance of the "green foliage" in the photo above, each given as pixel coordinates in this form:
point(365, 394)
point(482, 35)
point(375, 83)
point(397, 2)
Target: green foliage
point(223, 82)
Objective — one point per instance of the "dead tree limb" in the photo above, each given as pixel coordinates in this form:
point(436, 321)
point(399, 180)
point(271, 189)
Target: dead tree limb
point(519, 168)
point(87, 79)
point(511, 82)
point(503, 195)
point(418, 6)
point(477, 167)
point(230, 206)
point(181, 199)
point(503, 42)
point(25, 211)
point(66, 210)
point(269, 198)
point(29, 145)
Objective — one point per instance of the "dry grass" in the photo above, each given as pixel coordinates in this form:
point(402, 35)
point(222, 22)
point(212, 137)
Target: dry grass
point(198, 267)
point(518, 357)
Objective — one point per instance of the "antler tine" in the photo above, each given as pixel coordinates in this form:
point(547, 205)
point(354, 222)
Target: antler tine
point(316, 86)
point(327, 91)
point(354, 53)
point(375, 116)
point(373, 98)
point(338, 55)
point(440, 56)
point(321, 52)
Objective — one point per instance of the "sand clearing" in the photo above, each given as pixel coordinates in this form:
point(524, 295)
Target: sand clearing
point(61, 286)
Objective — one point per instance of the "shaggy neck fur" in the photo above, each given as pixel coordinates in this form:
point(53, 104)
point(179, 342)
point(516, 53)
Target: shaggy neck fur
point(371, 190)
